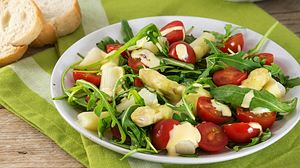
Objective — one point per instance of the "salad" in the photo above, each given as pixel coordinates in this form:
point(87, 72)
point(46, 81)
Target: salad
point(164, 90)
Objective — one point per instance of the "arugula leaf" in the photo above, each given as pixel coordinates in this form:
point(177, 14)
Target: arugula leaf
point(221, 38)
point(142, 33)
point(263, 137)
point(104, 42)
point(170, 61)
point(137, 98)
point(236, 61)
point(126, 31)
point(183, 117)
point(92, 102)
point(293, 82)
point(109, 108)
point(189, 38)
point(261, 42)
point(277, 73)
point(234, 95)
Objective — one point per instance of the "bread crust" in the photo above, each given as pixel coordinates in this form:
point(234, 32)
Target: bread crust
point(59, 26)
point(35, 28)
point(69, 22)
point(47, 36)
point(19, 52)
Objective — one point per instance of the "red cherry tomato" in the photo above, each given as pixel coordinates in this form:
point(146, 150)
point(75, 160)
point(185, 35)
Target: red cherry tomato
point(90, 77)
point(160, 134)
point(266, 120)
point(112, 47)
point(228, 76)
point(173, 31)
point(138, 82)
point(135, 64)
point(241, 132)
point(116, 134)
point(207, 112)
point(234, 43)
point(213, 138)
point(268, 56)
point(87, 98)
point(182, 52)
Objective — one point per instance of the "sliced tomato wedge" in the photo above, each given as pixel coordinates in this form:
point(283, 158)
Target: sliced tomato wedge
point(160, 134)
point(235, 43)
point(268, 56)
point(112, 47)
point(135, 64)
point(138, 82)
point(206, 111)
point(90, 77)
point(213, 138)
point(117, 135)
point(266, 120)
point(229, 76)
point(173, 31)
point(241, 132)
point(183, 52)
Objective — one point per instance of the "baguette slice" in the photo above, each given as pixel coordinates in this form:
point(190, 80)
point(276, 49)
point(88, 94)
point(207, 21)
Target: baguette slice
point(62, 17)
point(20, 23)
point(10, 54)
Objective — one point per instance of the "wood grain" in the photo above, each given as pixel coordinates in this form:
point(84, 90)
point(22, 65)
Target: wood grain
point(23, 146)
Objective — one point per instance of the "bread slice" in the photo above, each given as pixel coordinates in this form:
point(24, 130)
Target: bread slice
point(62, 17)
point(11, 54)
point(20, 23)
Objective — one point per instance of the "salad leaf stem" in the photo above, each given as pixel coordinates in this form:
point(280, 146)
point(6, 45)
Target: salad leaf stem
point(142, 33)
point(106, 105)
point(170, 61)
point(258, 46)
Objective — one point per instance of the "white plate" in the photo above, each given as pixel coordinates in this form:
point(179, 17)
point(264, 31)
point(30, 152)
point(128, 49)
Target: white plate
point(282, 57)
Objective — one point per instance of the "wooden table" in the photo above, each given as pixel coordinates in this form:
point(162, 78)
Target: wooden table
point(23, 146)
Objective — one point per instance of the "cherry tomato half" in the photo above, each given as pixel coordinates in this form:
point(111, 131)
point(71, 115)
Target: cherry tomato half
point(234, 43)
point(228, 76)
point(135, 64)
point(173, 31)
point(90, 77)
point(213, 138)
point(266, 120)
point(207, 112)
point(112, 47)
point(138, 82)
point(241, 132)
point(268, 56)
point(182, 52)
point(117, 135)
point(160, 134)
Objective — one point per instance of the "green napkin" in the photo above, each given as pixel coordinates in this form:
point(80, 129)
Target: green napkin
point(24, 86)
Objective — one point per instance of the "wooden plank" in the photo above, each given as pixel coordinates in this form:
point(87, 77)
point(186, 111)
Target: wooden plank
point(23, 146)
point(287, 12)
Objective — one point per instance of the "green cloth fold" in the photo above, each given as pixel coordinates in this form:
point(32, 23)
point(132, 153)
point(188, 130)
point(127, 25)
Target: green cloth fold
point(24, 86)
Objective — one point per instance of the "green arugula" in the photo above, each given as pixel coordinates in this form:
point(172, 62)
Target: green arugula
point(290, 83)
point(170, 61)
point(102, 96)
point(234, 95)
point(104, 42)
point(263, 137)
point(142, 33)
point(126, 31)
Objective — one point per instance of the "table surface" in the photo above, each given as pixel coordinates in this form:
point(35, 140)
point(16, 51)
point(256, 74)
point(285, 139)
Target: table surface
point(23, 146)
